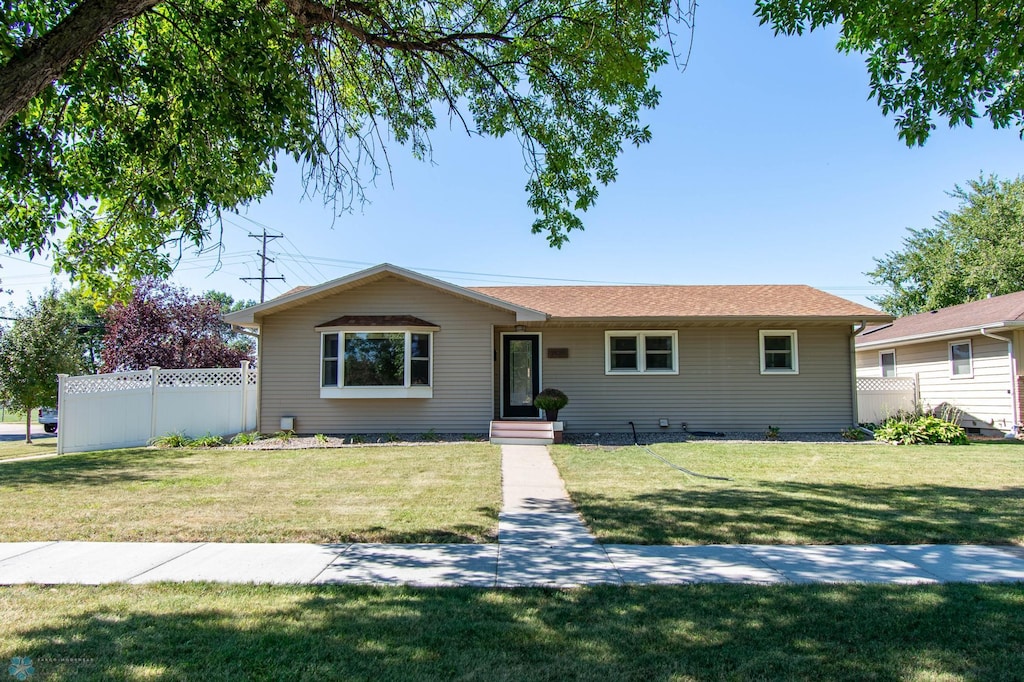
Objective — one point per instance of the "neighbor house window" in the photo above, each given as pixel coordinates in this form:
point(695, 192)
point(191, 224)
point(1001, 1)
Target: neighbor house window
point(778, 352)
point(960, 360)
point(887, 361)
point(376, 363)
point(641, 352)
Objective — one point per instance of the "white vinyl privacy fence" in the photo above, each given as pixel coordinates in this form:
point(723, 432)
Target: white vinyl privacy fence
point(128, 409)
point(880, 398)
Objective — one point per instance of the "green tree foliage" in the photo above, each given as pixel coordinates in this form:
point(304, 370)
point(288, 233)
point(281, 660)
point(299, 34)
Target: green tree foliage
point(227, 304)
point(42, 343)
point(971, 253)
point(130, 125)
point(90, 324)
point(926, 59)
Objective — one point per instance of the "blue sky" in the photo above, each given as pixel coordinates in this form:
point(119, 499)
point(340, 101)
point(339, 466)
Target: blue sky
point(768, 165)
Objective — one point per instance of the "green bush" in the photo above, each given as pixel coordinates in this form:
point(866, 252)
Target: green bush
point(207, 441)
point(171, 440)
point(550, 400)
point(926, 430)
point(246, 438)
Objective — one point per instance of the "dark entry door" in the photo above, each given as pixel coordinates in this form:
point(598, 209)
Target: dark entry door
point(520, 375)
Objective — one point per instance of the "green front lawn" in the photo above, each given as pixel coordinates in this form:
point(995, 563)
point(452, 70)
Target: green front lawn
point(795, 493)
point(701, 632)
point(434, 493)
point(15, 449)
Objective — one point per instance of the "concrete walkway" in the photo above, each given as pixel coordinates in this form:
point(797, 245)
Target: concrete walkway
point(542, 541)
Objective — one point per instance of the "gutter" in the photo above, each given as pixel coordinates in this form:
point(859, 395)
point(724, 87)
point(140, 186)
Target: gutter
point(1014, 400)
point(943, 335)
point(853, 371)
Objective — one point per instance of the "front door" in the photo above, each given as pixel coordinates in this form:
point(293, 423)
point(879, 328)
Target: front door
point(520, 375)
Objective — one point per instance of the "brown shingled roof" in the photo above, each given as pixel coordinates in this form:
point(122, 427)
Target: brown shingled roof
point(680, 301)
point(989, 311)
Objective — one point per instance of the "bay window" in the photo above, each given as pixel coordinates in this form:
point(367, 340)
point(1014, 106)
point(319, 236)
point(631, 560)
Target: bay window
point(376, 363)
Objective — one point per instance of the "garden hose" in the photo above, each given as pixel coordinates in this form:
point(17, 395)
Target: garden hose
point(652, 453)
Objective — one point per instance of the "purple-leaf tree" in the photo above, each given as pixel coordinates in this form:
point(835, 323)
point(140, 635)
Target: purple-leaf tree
point(166, 326)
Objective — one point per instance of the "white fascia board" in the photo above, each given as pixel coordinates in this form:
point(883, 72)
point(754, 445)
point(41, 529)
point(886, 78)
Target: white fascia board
point(247, 316)
point(943, 335)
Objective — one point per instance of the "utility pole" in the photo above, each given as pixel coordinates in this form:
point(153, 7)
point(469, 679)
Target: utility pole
point(263, 262)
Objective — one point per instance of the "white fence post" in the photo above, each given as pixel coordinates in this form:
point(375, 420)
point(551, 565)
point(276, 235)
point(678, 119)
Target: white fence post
point(154, 381)
point(61, 387)
point(245, 396)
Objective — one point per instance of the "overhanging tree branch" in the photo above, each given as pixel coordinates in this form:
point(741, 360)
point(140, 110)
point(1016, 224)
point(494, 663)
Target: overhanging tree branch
point(44, 60)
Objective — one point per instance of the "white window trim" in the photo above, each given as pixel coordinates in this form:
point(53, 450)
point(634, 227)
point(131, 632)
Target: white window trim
point(791, 333)
point(970, 355)
point(641, 352)
point(881, 367)
point(406, 391)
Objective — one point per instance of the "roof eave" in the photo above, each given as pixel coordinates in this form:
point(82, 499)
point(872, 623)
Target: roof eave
point(940, 335)
point(250, 316)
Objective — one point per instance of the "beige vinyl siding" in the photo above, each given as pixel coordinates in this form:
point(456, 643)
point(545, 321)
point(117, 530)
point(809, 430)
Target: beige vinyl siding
point(462, 360)
point(984, 399)
point(719, 385)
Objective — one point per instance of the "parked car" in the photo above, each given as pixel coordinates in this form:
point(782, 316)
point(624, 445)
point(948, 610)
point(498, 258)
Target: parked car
point(48, 418)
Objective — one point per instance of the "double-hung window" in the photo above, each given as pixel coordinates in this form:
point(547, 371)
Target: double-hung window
point(642, 352)
point(961, 360)
point(779, 352)
point(887, 361)
point(376, 362)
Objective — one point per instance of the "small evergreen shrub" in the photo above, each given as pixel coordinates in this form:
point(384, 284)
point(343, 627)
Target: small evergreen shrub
point(924, 430)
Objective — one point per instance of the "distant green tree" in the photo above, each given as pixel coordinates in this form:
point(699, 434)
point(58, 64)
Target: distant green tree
point(926, 59)
point(971, 253)
point(90, 325)
point(228, 304)
point(42, 343)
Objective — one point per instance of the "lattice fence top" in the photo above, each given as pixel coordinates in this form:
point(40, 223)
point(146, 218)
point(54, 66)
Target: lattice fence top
point(108, 383)
point(126, 381)
point(885, 384)
point(200, 377)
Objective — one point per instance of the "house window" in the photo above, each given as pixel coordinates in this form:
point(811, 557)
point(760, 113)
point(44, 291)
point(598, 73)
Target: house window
point(887, 361)
point(779, 352)
point(376, 364)
point(960, 364)
point(641, 352)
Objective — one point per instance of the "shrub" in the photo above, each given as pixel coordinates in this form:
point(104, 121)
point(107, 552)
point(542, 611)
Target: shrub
point(431, 436)
point(171, 440)
point(284, 436)
point(551, 400)
point(321, 439)
point(772, 432)
point(391, 437)
point(926, 430)
point(246, 438)
point(853, 433)
point(207, 441)
point(358, 439)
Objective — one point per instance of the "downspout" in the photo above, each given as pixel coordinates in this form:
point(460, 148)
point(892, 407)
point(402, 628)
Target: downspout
point(1014, 402)
point(853, 371)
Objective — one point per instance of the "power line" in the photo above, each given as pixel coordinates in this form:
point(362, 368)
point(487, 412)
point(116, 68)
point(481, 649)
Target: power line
point(263, 262)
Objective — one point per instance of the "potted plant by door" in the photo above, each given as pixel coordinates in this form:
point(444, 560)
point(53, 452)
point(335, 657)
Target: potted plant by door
point(551, 400)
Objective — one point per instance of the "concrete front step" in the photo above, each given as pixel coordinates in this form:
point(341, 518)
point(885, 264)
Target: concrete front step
point(522, 432)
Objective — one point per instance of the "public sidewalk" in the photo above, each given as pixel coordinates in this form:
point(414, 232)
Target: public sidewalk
point(542, 541)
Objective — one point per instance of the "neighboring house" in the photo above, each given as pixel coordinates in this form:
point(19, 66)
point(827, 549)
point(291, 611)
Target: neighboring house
point(391, 350)
point(965, 356)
